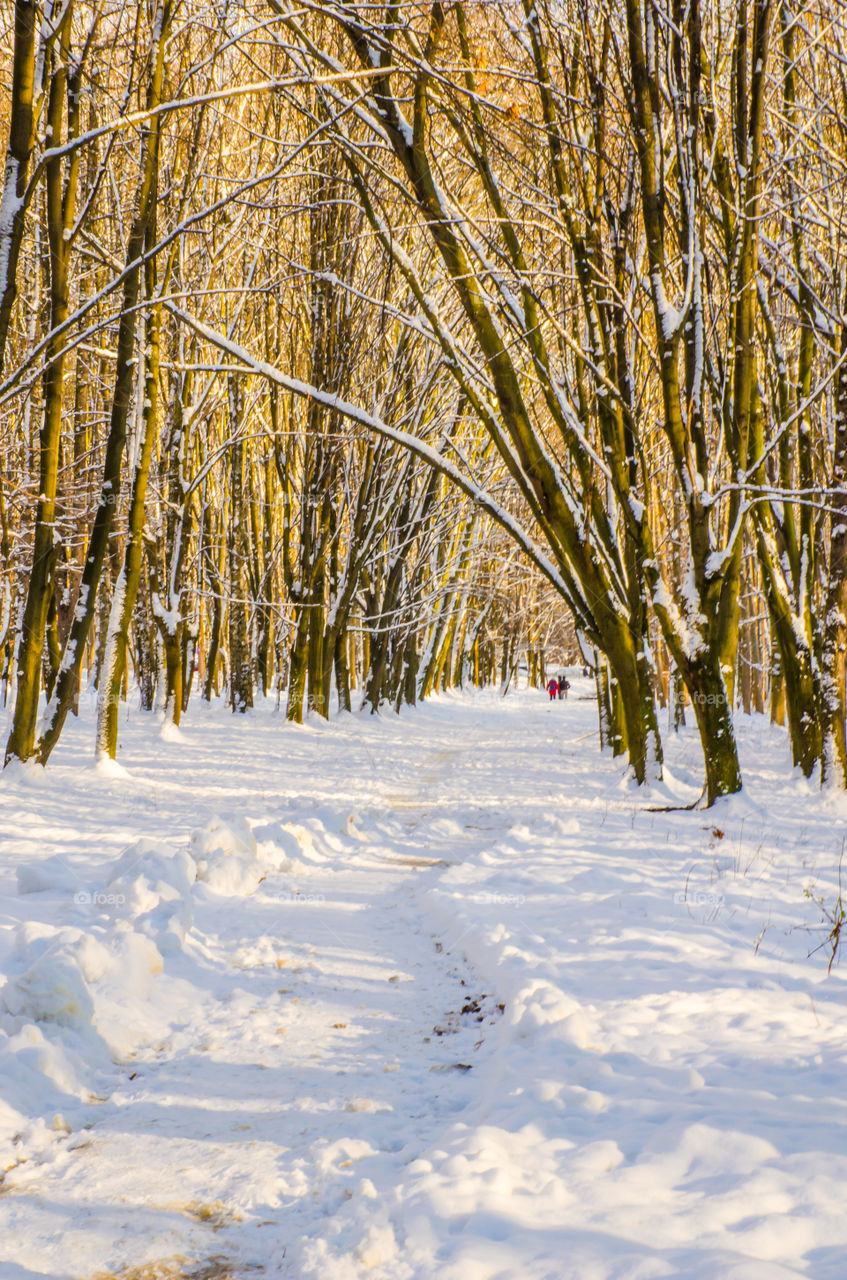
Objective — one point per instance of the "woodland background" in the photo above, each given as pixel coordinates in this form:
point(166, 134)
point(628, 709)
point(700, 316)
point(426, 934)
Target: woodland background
point(356, 351)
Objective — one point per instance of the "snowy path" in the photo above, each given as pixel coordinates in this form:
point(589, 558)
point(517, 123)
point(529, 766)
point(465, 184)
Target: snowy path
point(327, 981)
point(321, 1080)
point(271, 1093)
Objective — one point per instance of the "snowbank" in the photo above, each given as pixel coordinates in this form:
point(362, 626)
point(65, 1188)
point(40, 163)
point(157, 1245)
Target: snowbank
point(77, 1000)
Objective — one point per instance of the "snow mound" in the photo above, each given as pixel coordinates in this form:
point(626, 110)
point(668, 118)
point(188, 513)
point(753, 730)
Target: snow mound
point(225, 854)
point(153, 882)
point(80, 995)
point(56, 972)
point(164, 870)
point(55, 968)
point(74, 1003)
point(49, 873)
point(233, 858)
point(41, 1081)
point(279, 846)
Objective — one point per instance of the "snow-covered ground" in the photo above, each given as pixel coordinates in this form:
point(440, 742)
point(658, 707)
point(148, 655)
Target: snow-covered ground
point(437, 996)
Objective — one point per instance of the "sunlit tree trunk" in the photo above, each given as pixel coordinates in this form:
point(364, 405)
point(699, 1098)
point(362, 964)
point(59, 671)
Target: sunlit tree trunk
point(98, 543)
point(61, 187)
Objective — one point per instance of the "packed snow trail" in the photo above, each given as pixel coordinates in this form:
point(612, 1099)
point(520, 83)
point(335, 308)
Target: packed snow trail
point(416, 997)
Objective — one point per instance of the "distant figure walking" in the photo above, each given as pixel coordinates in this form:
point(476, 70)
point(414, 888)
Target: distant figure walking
point(553, 687)
point(562, 687)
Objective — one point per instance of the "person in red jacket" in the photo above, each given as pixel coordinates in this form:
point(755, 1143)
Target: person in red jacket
point(553, 688)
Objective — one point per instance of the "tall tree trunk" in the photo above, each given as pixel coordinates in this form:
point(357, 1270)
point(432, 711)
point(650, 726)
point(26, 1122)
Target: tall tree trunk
point(834, 656)
point(342, 672)
point(98, 543)
point(61, 199)
point(241, 668)
point(126, 590)
point(298, 666)
point(13, 198)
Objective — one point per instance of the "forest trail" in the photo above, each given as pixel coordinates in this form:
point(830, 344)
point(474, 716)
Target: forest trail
point(301, 1067)
point(444, 999)
point(313, 1035)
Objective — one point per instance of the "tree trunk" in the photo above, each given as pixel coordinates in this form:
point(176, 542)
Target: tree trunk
point(126, 590)
point(298, 669)
point(241, 668)
point(834, 656)
point(13, 200)
point(707, 690)
point(60, 213)
point(342, 672)
point(98, 543)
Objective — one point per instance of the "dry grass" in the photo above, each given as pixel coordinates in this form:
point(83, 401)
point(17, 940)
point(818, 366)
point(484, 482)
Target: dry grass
point(215, 1215)
point(174, 1268)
